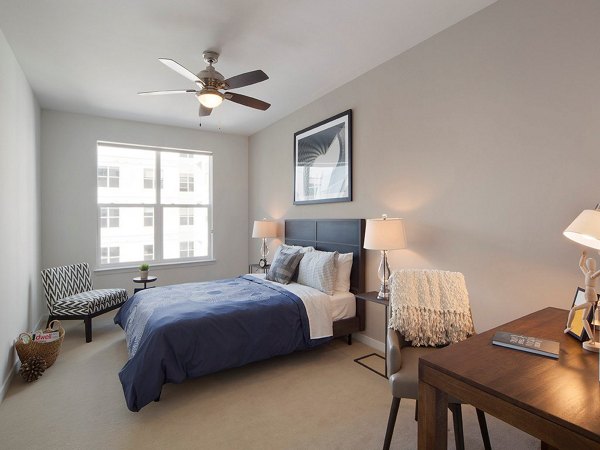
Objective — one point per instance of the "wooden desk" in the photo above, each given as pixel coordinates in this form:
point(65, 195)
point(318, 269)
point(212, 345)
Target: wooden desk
point(557, 401)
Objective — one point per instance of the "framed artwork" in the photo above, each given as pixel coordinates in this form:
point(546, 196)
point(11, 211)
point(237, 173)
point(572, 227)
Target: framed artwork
point(323, 161)
point(577, 330)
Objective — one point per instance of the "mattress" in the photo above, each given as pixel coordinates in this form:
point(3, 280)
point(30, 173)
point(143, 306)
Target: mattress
point(342, 304)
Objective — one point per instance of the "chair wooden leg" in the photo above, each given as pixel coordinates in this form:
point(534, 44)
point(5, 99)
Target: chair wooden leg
point(459, 437)
point(88, 329)
point(416, 410)
point(50, 319)
point(484, 429)
point(349, 339)
point(391, 423)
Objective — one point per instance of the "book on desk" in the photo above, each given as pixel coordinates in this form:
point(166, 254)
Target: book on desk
point(544, 347)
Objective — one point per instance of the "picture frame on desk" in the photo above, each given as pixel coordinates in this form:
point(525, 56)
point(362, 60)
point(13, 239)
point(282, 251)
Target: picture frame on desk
point(577, 330)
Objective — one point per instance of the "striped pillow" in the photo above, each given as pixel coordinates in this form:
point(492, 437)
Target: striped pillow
point(283, 267)
point(317, 269)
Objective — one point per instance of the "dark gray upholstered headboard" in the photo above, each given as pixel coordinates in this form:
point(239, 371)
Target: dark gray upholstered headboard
point(341, 235)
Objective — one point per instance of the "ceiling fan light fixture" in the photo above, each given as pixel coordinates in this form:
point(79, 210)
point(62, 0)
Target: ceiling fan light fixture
point(211, 98)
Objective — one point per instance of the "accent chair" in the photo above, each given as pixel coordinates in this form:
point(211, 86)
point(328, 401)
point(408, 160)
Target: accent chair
point(70, 295)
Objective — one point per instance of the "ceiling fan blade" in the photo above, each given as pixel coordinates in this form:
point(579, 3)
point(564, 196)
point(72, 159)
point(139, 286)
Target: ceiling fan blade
point(204, 111)
point(247, 101)
point(246, 79)
point(178, 91)
point(179, 69)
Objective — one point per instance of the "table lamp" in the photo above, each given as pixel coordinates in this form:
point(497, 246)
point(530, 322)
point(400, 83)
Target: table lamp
point(264, 229)
point(384, 234)
point(585, 230)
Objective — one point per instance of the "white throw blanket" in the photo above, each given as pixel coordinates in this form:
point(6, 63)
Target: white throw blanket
point(430, 307)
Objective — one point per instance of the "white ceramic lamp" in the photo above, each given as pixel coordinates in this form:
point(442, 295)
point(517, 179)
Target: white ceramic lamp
point(264, 229)
point(585, 230)
point(384, 234)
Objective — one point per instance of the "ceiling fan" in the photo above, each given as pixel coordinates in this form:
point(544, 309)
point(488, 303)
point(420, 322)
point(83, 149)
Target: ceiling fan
point(210, 82)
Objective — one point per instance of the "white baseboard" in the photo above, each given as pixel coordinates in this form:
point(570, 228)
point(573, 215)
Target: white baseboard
point(374, 343)
point(15, 368)
point(8, 380)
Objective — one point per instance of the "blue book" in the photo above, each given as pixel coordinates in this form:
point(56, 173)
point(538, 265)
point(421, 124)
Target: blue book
point(544, 347)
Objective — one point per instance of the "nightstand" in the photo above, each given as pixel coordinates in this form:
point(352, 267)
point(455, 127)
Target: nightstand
point(255, 268)
point(372, 297)
point(149, 279)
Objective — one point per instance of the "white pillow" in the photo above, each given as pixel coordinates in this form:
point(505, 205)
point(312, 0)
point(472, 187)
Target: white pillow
point(317, 270)
point(343, 269)
point(292, 247)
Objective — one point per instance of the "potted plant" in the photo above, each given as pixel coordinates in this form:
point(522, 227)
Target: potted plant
point(144, 271)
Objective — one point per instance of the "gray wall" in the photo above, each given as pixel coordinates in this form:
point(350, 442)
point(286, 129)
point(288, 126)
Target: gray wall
point(20, 303)
point(69, 212)
point(484, 138)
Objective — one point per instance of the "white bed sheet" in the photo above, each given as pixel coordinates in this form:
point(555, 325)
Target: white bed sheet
point(322, 309)
point(343, 305)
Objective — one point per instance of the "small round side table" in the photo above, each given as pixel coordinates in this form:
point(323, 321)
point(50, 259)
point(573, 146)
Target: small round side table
point(149, 279)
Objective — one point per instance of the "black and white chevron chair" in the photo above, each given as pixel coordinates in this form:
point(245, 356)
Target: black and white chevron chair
point(70, 295)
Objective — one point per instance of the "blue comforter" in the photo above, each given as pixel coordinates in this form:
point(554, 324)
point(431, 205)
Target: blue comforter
point(188, 330)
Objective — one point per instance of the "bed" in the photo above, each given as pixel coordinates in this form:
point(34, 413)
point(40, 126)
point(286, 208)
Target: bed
point(193, 329)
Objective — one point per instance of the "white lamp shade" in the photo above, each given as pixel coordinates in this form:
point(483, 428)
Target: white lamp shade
point(264, 229)
point(585, 229)
point(385, 234)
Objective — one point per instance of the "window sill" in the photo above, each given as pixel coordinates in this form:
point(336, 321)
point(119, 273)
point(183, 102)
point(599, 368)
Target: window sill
point(135, 269)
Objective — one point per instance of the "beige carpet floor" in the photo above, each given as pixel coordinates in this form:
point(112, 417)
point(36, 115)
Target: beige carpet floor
point(318, 399)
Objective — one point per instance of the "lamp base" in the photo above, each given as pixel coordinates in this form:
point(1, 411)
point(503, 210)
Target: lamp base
point(384, 291)
point(591, 346)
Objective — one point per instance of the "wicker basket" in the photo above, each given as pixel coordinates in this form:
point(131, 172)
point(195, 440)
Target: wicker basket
point(26, 347)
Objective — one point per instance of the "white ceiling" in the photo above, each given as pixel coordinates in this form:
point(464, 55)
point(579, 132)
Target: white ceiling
point(93, 56)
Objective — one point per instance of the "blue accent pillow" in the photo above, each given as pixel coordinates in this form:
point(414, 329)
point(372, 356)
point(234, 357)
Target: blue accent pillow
point(284, 266)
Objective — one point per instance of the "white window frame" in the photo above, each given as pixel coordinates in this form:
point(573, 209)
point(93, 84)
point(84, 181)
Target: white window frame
point(158, 209)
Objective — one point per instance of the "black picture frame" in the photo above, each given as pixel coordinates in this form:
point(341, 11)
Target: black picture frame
point(577, 330)
point(328, 179)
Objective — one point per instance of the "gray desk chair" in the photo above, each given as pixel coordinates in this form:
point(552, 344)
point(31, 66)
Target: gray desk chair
point(403, 367)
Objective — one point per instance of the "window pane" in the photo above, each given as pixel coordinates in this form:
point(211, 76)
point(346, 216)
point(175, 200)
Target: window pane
point(148, 178)
point(126, 235)
point(185, 180)
point(148, 217)
point(124, 181)
point(148, 252)
point(191, 239)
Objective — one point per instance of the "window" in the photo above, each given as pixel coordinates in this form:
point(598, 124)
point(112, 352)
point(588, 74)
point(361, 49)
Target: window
point(108, 176)
point(109, 217)
point(186, 216)
point(160, 210)
point(148, 252)
point(109, 255)
point(186, 182)
point(148, 217)
point(148, 178)
point(186, 249)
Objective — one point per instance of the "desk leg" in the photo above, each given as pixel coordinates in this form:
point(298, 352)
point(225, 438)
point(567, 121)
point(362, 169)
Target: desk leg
point(545, 446)
point(433, 418)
